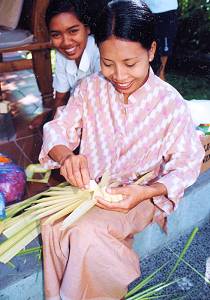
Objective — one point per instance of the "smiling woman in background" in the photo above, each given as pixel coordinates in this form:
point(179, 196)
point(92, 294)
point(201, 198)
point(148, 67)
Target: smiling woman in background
point(132, 123)
point(77, 54)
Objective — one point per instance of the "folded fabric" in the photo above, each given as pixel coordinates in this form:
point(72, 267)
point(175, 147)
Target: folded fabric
point(16, 37)
point(200, 111)
point(10, 11)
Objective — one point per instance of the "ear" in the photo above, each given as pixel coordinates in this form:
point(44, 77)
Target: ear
point(152, 51)
point(88, 29)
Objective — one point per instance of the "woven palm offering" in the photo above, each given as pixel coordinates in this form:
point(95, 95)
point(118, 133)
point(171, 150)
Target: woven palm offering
point(22, 222)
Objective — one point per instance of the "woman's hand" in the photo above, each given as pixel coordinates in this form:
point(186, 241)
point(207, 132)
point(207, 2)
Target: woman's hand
point(132, 196)
point(75, 170)
point(14, 109)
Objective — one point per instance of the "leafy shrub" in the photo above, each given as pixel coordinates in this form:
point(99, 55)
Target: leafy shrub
point(193, 33)
point(191, 50)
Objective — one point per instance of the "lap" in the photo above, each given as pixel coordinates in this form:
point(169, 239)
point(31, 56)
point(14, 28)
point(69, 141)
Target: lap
point(117, 224)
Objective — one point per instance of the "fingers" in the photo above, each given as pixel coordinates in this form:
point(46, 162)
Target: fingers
point(121, 206)
point(132, 196)
point(75, 170)
point(14, 109)
point(124, 190)
point(85, 172)
point(110, 208)
point(67, 172)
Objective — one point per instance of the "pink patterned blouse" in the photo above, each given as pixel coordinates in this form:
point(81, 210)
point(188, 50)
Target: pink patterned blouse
point(154, 131)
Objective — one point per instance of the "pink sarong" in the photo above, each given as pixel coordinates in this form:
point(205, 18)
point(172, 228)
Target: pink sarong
point(93, 259)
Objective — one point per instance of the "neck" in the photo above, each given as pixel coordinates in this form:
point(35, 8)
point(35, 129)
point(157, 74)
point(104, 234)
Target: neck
point(126, 96)
point(78, 61)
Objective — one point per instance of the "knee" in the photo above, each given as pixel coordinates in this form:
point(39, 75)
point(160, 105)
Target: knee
point(84, 229)
point(83, 241)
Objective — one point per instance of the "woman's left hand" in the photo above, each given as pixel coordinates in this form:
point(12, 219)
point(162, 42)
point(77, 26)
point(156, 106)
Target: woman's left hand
point(132, 196)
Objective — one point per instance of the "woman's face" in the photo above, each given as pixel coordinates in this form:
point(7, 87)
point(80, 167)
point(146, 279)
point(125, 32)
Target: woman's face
point(69, 35)
point(125, 63)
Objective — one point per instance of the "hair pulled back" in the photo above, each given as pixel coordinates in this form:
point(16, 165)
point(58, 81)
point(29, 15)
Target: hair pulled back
point(129, 20)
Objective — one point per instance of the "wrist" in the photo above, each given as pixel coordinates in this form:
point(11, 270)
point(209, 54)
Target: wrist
point(59, 153)
point(156, 189)
point(63, 160)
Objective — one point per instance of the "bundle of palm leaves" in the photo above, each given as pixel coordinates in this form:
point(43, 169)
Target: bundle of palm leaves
point(22, 223)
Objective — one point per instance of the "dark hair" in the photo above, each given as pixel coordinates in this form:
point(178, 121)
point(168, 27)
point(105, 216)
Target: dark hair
point(126, 19)
point(94, 8)
point(76, 7)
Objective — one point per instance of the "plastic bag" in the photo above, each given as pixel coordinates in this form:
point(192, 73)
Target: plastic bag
point(2, 207)
point(12, 180)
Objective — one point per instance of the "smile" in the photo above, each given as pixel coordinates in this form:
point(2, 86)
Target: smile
point(122, 86)
point(70, 50)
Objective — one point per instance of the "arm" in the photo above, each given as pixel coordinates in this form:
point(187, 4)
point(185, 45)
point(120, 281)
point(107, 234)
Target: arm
point(61, 99)
point(60, 137)
point(182, 158)
point(74, 168)
point(59, 153)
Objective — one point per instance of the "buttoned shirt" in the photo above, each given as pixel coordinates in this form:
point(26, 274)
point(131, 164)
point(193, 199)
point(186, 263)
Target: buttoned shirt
point(67, 74)
point(153, 132)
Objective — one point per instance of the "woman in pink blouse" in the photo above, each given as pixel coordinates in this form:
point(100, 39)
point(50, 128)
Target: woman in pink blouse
point(132, 122)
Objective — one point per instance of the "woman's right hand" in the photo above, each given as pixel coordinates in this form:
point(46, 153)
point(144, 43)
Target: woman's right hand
point(75, 170)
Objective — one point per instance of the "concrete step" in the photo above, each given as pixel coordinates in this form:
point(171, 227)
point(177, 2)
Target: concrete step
point(193, 210)
point(29, 288)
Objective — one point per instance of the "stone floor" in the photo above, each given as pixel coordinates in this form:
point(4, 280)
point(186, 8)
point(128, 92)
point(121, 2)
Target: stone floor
point(190, 285)
point(21, 143)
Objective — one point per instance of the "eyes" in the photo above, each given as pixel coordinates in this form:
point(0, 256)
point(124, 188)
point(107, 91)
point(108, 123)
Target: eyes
point(55, 35)
point(109, 65)
point(71, 32)
point(130, 65)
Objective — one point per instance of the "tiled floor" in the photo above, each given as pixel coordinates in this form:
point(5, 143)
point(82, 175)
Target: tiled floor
point(21, 143)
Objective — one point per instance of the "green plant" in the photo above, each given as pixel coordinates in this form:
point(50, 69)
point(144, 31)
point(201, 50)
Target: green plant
point(190, 85)
point(193, 27)
point(141, 292)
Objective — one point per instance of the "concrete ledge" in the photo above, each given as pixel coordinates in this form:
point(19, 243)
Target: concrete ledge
point(29, 288)
point(193, 210)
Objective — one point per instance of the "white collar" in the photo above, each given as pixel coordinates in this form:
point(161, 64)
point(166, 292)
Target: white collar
point(85, 61)
point(83, 66)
